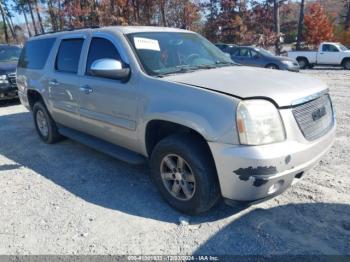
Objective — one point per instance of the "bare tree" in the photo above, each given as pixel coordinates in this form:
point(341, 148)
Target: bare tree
point(276, 13)
point(38, 15)
point(4, 23)
point(32, 15)
point(300, 24)
point(347, 16)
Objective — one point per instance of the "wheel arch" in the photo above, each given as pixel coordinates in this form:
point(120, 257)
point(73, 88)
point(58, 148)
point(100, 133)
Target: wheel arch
point(159, 128)
point(344, 60)
point(34, 96)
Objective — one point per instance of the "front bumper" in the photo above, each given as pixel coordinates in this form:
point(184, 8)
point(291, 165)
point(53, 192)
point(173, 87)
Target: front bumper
point(251, 173)
point(8, 91)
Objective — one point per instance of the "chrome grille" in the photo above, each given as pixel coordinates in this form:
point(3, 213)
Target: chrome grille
point(12, 79)
point(315, 118)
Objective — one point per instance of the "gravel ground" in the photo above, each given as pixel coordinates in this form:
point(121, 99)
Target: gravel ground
point(69, 199)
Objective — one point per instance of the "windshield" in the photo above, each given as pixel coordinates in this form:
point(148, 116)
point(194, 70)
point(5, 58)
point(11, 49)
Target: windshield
point(264, 52)
point(162, 53)
point(8, 54)
point(342, 47)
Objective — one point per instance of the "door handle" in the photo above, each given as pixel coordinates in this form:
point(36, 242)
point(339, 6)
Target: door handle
point(53, 82)
point(86, 89)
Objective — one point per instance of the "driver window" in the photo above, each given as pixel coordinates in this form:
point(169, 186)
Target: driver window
point(100, 48)
point(329, 48)
point(245, 52)
point(254, 54)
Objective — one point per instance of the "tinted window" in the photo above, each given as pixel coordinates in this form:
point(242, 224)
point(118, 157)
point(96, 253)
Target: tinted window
point(68, 55)
point(100, 48)
point(244, 52)
point(329, 48)
point(35, 53)
point(9, 53)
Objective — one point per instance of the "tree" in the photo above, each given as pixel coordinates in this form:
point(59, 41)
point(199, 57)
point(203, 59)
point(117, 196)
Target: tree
point(300, 24)
point(39, 16)
point(318, 26)
point(4, 23)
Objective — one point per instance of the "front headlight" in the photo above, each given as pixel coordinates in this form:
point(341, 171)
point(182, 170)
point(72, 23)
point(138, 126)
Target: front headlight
point(288, 63)
point(259, 123)
point(3, 79)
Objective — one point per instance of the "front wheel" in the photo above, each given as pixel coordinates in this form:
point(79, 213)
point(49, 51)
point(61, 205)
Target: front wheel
point(303, 63)
point(346, 64)
point(272, 66)
point(185, 174)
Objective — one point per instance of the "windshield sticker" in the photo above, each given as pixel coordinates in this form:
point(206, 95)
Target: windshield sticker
point(145, 43)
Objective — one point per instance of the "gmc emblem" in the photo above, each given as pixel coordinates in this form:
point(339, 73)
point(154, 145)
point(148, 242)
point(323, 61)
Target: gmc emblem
point(319, 113)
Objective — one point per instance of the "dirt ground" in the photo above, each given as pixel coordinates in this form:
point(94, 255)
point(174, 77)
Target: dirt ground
point(69, 199)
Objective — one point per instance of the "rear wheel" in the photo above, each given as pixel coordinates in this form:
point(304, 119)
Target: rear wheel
point(185, 174)
point(44, 124)
point(303, 62)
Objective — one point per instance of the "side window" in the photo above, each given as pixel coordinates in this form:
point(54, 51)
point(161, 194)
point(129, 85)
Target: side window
point(245, 52)
point(100, 48)
point(68, 56)
point(329, 48)
point(35, 53)
point(254, 54)
point(325, 48)
point(235, 52)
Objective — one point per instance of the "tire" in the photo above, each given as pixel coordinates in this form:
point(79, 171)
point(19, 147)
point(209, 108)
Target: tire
point(346, 64)
point(272, 66)
point(303, 63)
point(44, 124)
point(198, 167)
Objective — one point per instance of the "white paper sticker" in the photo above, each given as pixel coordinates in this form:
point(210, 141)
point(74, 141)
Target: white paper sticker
point(146, 43)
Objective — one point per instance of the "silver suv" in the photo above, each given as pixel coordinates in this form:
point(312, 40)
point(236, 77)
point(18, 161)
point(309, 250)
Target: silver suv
point(210, 129)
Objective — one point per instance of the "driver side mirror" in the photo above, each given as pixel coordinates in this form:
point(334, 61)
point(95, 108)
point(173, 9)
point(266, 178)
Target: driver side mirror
point(110, 68)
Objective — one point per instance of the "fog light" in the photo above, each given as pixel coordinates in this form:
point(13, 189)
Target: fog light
point(275, 187)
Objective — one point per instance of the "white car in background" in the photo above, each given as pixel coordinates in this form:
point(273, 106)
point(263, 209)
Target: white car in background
point(328, 53)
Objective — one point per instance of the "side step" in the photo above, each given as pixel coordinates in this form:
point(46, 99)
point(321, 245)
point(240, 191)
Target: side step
point(103, 146)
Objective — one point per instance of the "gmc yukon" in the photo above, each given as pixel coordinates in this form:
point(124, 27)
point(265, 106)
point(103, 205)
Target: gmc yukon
point(210, 129)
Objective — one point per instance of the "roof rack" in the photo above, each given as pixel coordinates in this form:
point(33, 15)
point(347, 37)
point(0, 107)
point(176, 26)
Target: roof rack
point(68, 30)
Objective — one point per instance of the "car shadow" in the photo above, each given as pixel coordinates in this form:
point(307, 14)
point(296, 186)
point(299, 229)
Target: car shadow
point(10, 102)
point(89, 174)
point(293, 229)
point(325, 68)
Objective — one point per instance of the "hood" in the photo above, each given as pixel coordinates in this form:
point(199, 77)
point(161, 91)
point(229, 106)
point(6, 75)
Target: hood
point(8, 67)
point(282, 87)
point(284, 58)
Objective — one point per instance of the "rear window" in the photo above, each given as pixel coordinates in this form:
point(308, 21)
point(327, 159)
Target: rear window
point(68, 55)
point(35, 53)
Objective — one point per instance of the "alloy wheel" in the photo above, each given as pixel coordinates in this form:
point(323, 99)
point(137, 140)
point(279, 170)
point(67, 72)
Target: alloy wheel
point(177, 177)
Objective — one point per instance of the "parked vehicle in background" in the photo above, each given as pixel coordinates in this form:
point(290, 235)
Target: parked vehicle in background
point(226, 48)
point(9, 55)
point(209, 128)
point(328, 54)
point(259, 57)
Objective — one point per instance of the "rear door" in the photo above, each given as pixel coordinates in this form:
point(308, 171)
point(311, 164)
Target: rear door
point(64, 80)
point(108, 107)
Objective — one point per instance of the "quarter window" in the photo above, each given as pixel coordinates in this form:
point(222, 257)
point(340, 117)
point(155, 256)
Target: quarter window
point(35, 53)
point(68, 55)
point(100, 48)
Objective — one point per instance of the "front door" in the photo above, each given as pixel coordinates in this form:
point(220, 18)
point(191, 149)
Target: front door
point(108, 107)
point(330, 55)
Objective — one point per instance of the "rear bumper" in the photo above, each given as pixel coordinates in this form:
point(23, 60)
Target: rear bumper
point(253, 173)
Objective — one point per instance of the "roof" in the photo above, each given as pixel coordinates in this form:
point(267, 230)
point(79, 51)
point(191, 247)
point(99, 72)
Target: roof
point(120, 29)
